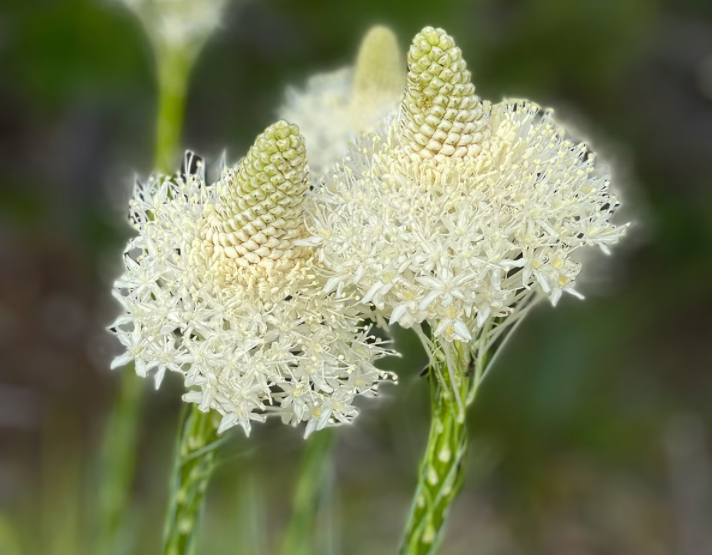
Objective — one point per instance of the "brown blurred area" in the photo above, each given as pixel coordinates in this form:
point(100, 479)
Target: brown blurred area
point(591, 437)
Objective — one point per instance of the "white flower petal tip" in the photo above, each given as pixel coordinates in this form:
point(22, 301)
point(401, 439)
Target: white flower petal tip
point(575, 293)
point(372, 292)
point(460, 329)
point(121, 361)
point(332, 283)
point(227, 422)
point(398, 313)
point(217, 289)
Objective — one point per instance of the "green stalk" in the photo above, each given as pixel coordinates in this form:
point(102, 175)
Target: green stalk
point(440, 473)
point(173, 71)
point(194, 464)
point(117, 464)
point(118, 461)
point(298, 537)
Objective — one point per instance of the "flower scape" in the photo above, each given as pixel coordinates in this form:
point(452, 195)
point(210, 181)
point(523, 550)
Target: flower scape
point(458, 212)
point(221, 285)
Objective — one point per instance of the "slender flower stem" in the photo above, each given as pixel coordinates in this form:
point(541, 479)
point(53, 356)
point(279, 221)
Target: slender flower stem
point(194, 463)
point(440, 475)
point(173, 71)
point(118, 462)
point(298, 538)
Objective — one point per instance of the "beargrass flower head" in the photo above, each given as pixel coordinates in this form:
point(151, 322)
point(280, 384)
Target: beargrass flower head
point(335, 107)
point(457, 212)
point(178, 25)
point(220, 285)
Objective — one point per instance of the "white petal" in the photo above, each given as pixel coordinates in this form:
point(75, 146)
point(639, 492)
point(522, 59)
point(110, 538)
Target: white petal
point(312, 241)
point(193, 396)
point(542, 282)
point(425, 303)
point(507, 264)
point(483, 313)
point(359, 274)
point(332, 283)
point(372, 292)
point(461, 330)
point(158, 377)
point(227, 422)
point(123, 319)
point(398, 313)
point(574, 293)
point(442, 326)
point(311, 426)
point(121, 360)
point(429, 282)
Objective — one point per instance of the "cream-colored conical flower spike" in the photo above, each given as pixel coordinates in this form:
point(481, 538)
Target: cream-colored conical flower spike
point(442, 115)
point(335, 107)
point(261, 213)
point(378, 74)
point(220, 286)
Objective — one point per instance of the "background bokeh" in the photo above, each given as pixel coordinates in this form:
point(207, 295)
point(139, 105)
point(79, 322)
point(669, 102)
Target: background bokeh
point(592, 434)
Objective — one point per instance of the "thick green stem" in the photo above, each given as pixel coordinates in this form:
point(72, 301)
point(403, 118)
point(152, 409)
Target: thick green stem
point(118, 462)
point(298, 538)
point(194, 464)
point(440, 473)
point(173, 71)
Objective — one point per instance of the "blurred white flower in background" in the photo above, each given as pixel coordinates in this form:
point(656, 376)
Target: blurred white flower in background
point(333, 108)
point(456, 212)
point(178, 24)
point(221, 286)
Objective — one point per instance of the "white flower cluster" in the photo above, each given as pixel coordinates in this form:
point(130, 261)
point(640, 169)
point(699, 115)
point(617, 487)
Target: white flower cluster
point(217, 287)
point(456, 212)
point(333, 108)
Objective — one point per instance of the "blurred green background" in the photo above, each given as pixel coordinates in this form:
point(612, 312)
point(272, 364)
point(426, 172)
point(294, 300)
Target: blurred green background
point(592, 434)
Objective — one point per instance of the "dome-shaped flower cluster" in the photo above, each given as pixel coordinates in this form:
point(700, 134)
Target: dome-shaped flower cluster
point(218, 288)
point(455, 211)
point(333, 108)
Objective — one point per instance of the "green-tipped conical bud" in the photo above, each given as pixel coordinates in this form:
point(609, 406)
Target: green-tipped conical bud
point(261, 212)
point(379, 72)
point(443, 116)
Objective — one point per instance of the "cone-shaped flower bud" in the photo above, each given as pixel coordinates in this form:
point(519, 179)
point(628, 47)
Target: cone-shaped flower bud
point(334, 108)
point(261, 213)
point(378, 74)
point(442, 115)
